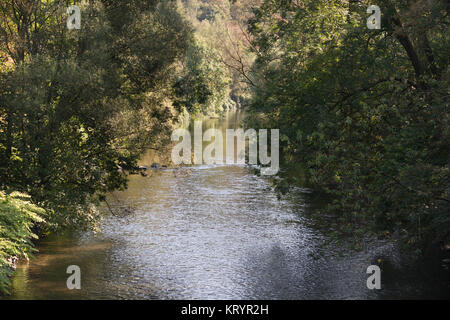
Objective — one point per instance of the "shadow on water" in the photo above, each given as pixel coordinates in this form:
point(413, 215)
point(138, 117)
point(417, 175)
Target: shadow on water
point(206, 232)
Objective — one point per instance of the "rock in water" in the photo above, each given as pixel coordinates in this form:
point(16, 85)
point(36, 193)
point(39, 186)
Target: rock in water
point(156, 165)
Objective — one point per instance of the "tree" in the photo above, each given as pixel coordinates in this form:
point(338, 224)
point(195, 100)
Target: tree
point(204, 88)
point(68, 98)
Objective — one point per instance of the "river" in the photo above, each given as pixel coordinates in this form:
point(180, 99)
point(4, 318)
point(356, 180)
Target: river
point(209, 232)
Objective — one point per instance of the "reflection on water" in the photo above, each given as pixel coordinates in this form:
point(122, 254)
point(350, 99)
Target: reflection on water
point(207, 232)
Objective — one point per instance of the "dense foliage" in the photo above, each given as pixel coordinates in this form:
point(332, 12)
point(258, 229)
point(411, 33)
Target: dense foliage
point(70, 97)
point(206, 82)
point(17, 217)
point(366, 112)
point(205, 86)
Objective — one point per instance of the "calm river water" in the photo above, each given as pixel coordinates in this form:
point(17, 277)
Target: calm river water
point(209, 232)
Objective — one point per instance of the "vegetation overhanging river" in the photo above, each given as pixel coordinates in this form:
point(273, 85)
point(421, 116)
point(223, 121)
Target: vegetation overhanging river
point(209, 232)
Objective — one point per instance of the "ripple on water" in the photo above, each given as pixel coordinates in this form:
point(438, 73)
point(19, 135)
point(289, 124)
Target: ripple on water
point(218, 233)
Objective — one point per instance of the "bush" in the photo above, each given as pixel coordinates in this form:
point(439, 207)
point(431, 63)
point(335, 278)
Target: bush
point(17, 218)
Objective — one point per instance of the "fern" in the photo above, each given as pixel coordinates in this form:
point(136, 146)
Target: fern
point(17, 218)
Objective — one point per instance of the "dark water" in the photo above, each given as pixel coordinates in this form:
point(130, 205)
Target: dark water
point(209, 232)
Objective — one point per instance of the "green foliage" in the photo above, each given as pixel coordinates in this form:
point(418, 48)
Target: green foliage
point(17, 218)
point(365, 111)
point(216, 70)
point(205, 86)
point(69, 99)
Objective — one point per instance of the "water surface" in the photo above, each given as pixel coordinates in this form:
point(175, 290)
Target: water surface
point(207, 232)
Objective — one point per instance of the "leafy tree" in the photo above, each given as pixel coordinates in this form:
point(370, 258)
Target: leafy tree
point(70, 94)
point(364, 111)
point(222, 42)
point(205, 86)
